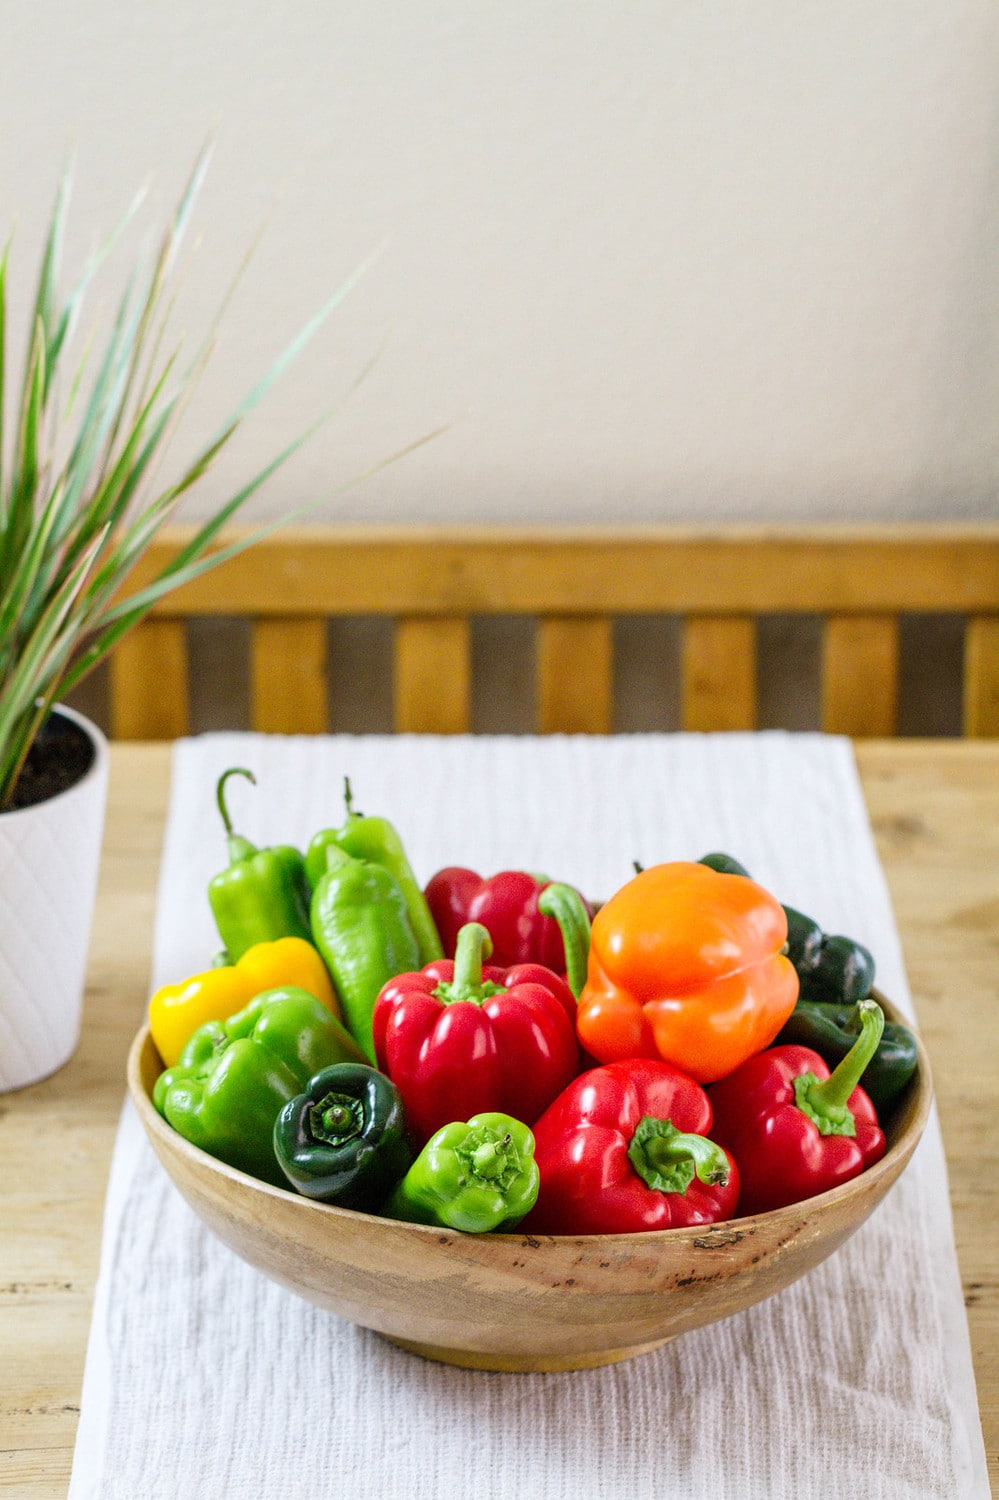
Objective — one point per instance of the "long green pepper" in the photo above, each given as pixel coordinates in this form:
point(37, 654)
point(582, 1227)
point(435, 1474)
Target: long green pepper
point(376, 840)
point(264, 893)
point(360, 924)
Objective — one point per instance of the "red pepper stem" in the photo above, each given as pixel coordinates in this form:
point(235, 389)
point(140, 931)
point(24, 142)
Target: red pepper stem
point(826, 1102)
point(668, 1159)
point(239, 847)
point(474, 944)
point(567, 906)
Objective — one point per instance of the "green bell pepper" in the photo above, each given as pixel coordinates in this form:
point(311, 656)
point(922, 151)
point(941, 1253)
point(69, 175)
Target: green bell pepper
point(263, 894)
point(234, 1076)
point(344, 1139)
point(830, 968)
point(476, 1176)
point(831, 1030)
point(360, 924)
point(376, 840)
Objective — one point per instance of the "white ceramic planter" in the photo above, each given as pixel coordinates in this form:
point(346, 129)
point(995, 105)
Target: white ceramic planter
point(49, 862)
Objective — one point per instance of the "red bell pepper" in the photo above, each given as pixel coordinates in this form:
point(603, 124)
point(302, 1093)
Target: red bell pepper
point(624, 1148)
point(794, 1128)
point(507, 907)
point(460, 1040)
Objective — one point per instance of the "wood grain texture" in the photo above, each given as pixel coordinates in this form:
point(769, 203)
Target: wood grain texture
point(935, 812)
point(288, 680)
point(148, 682)
point(520, 1301)
point(981, 676)
point(432, 689)
point(860, 675)
point(430, 570)
point(719, 673)
point(575, 675)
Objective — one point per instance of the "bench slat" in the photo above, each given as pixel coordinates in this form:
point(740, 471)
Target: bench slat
point(719, 673)
point(288, 677)
point(148, 682)
point(433, 675)
point(981, 676)
point(860, 675)
point(575, 674)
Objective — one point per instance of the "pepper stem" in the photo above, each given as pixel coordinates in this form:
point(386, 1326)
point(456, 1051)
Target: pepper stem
point(567, 906)
point(239, 847)
point(474, 944)
point(668, 1159)
point(825, 1102)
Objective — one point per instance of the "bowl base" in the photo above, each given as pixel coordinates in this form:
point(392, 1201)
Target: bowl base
point(523, 1364)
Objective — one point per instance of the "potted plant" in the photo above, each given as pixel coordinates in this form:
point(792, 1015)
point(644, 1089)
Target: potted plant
point(80, 501)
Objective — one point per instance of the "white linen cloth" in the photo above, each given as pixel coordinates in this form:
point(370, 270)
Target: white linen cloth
point(206, 1379)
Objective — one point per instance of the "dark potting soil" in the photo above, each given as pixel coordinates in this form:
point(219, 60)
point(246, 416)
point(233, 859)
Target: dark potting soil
point(60, 757)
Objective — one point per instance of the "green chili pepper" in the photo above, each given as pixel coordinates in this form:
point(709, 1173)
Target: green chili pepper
point(263, 894)
point(831, 1030)
point(476, 1176)
point(344, 1139)
point(234, 1076)
point(376, 840)
point(360, 924)
point(831, 969)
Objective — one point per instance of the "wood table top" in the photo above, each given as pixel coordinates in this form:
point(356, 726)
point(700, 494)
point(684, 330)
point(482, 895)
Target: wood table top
point(934, 807)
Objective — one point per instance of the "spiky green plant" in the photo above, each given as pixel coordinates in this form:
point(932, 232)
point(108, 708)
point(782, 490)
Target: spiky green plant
point(80, 501)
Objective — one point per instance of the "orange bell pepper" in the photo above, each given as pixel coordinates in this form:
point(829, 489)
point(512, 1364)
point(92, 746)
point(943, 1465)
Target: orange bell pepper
point(177, 1010)
point(685, 964)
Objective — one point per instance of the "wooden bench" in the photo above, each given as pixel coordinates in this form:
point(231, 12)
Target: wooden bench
point(432, 582)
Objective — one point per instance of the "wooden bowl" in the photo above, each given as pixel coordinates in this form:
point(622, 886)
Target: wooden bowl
point(519, 1301)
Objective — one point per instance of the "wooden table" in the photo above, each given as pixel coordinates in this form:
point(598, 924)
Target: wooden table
point(935, 810)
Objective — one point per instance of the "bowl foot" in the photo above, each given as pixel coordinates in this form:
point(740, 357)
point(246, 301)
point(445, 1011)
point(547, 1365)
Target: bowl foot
point(523, 1364)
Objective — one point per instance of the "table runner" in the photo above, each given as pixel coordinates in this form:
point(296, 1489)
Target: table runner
point(205, 1378)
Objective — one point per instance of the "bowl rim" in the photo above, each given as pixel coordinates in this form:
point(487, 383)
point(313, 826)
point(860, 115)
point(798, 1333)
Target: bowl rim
point(891, 1164)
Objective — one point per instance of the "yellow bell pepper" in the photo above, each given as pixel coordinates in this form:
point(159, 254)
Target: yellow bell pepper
point(177, 1010)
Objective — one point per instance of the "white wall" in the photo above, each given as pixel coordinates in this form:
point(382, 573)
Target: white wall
point(696, 259)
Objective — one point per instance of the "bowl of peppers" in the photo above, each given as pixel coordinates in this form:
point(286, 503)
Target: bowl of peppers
point(509, 1130)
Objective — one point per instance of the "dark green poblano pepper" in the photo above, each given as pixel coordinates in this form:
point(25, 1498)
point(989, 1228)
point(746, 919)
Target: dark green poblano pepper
point(344, 1139)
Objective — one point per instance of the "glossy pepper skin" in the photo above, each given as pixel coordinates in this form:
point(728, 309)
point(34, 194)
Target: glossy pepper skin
point(686, 965)
point(263, 894)
point(795, 1128)
point(459, 1039)
point(234, 1076)
point(507, 906)
point(343, 1139)
point(476, 1175)
point(376, 840)
point(360, 924)
point(831, 968)
point(831, 1030)
point(177, 1010)
point(625, 1148)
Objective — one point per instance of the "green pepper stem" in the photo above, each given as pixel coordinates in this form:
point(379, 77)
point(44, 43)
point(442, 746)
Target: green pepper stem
point(825, 1102)
point(668, 1159)
point(474, 944)
point(348, 800)
point(567, 906)
point(239, 847)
